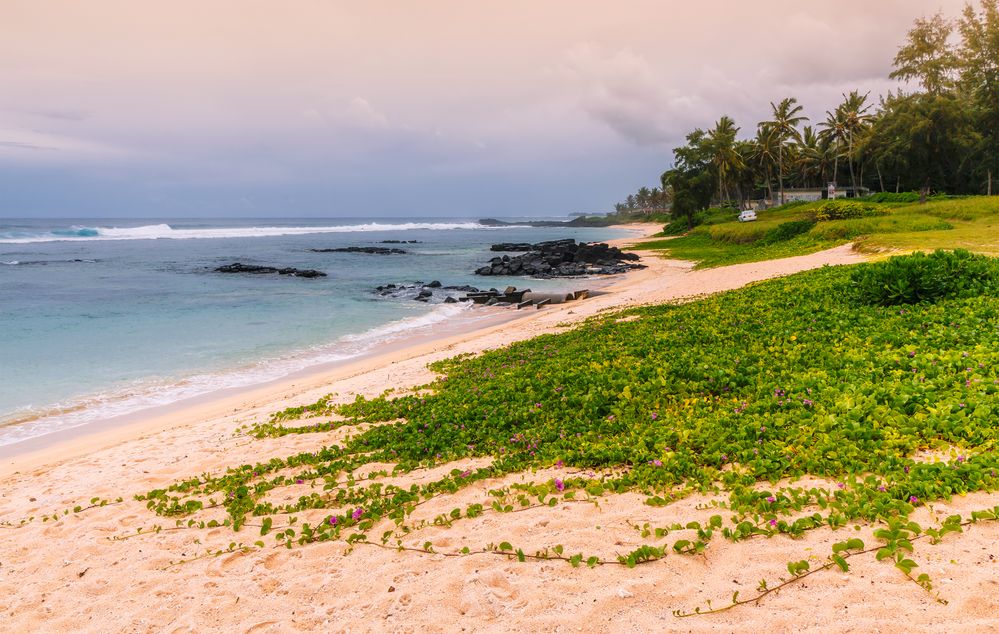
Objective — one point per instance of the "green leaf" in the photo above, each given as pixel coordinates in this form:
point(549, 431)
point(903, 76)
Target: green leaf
point(841, 562)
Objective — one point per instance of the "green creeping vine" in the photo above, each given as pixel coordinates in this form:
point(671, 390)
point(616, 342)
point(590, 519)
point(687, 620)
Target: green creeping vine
point(95, 503)
point(723, 396)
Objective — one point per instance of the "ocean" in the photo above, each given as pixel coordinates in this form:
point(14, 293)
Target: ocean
point(101, 318)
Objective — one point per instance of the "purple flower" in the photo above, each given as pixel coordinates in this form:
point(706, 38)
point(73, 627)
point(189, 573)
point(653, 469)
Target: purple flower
point(537, 405)
point(771, 499)
point(300, 481)
point(840, 485)
point(559, 464)
point(773, 522)
point(906, 468)
point(912, 354)
point(332, 521)
point(882, 488)
point(656, 462)
point(724, 458)
point(559, 485)
point(358, 512)
point(913, 499)
point(655, 415)
point(960, 458)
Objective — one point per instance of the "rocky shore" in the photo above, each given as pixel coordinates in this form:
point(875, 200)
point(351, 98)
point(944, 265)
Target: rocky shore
point(371, 250)
point(560, 258)
point(238, 267)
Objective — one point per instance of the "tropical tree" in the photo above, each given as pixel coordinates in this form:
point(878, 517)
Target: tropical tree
point(927, 56)
point(833, 134)
point(783, 128)
point(725, 159)
point(855, 114)
point(764, 156)
point(811, 159)
point(978, 61)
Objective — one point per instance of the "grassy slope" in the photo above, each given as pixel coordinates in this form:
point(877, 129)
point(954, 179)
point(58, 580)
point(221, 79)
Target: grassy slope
point(971, 223)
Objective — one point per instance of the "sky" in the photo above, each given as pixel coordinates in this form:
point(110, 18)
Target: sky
point(387, 108)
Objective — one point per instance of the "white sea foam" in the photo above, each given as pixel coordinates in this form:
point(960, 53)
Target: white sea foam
point(166, 232)
point(148, 394)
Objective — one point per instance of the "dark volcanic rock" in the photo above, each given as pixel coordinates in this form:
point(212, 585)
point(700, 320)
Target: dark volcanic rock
point(237, 267)
point(432, 293)
point(371, 250)
point(559, 258)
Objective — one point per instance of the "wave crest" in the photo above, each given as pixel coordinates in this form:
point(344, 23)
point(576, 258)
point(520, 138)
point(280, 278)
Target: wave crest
point(166, 232)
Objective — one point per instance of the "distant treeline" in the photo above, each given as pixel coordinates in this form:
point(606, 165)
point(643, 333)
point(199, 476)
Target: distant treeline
point(942, 137)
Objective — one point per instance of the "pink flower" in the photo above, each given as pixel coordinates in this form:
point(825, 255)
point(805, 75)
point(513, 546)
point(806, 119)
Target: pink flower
point(656, 462)
point(655, 415)
point(771, 499)
point(358, 512)
point(559, 464)
point(332, 521)
point(559, 485)
point(773, 522)
point(913, 499)
point(300, 481)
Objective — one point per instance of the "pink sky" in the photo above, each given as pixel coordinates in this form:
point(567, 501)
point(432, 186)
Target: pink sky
point(403, 107)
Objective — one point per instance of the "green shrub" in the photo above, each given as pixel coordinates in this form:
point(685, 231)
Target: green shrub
point(711, 216)
point(911, 279)
point(892, 197)
point(844, 209)
point(787, 230)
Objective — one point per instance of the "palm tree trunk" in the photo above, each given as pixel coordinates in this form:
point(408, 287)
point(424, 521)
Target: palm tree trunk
point(853, 176)
point(780, 170)
point(836, 163)
point(880, 179)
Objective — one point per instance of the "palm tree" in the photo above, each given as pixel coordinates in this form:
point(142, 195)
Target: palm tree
point(856, 120)
point(811, 161)
point(724, 156)
point(784, 127)
point(833, 133)
point(764, 155)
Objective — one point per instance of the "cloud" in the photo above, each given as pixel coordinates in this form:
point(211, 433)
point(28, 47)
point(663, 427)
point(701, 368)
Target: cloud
point(33, 146)
point(621, 90)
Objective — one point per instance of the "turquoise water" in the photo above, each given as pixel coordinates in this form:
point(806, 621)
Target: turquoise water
point(106, 317)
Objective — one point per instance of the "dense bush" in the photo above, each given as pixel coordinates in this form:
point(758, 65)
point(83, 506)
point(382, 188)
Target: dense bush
point(787, 230)
point(710, 216)
point(844, 209)
point(892, 197)
point(915, 278)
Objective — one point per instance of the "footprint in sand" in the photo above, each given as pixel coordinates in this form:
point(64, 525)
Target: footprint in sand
point(488, 595)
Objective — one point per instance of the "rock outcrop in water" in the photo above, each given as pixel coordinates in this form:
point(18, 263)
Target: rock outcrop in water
point(238, 267)
point(371, 250)
point(560, 258)
point(401, 242)
point(432, 293)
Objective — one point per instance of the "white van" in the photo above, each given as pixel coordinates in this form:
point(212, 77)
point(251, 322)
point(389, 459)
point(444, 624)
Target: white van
point(747, 216)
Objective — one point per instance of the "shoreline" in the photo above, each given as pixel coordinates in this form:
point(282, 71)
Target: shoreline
point(81, 571)
point(101, 433)
point(662, 280)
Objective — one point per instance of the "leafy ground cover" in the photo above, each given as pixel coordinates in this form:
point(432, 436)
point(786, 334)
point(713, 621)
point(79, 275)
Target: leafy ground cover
point(876, 227)
point(726, 396)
